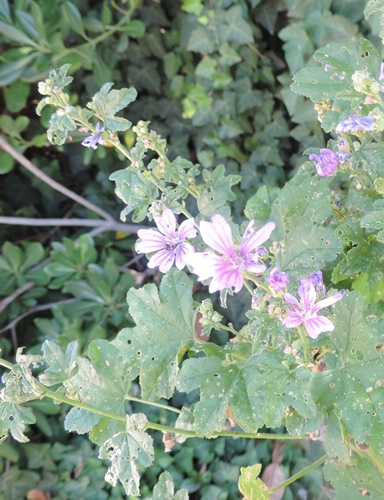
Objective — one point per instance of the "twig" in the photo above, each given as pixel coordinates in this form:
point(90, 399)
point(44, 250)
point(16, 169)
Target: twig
point(41, 307)
point(51, 182)
point(8, 300)
point(102, 225)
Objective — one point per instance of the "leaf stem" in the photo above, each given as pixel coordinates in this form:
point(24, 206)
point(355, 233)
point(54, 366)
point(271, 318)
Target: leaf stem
point(304, 342)
point(257, 282)
point(297, 476)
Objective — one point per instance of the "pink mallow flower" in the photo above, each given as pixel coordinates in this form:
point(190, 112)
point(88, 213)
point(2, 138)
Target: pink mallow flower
point(306, 310)
point(170, 245)
point(227, 268)
point(326, 162)
point(278, 280)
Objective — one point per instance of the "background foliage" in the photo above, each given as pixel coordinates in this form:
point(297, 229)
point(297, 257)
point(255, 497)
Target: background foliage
point(213, 79)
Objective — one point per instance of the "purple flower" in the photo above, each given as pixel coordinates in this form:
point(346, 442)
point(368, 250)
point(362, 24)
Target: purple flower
point(93, 141)
point(227, 268)
point(355, 123)
point(381, 76)
point(306, 310)
point(317, 281)
point(278, 280)
point(326, 162)
point(169, 244)
point(342, 157)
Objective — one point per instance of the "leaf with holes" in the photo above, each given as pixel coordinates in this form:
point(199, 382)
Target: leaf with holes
point(258, 391)
point(250, 485)
point(14, 418)
point(128, 450)
point(351, 387)
point(333, 84)
point(103, 381)
point(215, 194)
point(301, 212)
point(357, 480)
point(165, 326)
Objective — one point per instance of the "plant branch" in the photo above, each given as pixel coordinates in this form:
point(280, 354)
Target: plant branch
point(8, 300)
point(41, 307)
point(57, 397)
point(297, 476)
point(51, 182)
point(102, 225)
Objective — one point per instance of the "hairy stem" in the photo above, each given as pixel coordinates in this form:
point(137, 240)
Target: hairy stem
point(304, 342)
point(300, 474)
point(59, 398)
point(51, 182)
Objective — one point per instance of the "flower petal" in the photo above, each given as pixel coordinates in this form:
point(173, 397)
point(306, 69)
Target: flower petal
point(307, 293)
point(202, 264)
point(292, 301)
point(166, 223)
point(292, 320)
point(227, 277)
point(149, 241)
point(164, 259)
point(317, 325)
point(218, 235)
point(181, 252)
point(253, 239)
point(187, 230)
point(328, 301)
point(254, 267)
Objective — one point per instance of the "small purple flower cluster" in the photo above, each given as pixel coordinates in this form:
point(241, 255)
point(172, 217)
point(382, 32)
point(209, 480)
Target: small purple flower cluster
point(327, 161)
point(355, 123)
point(94, 140)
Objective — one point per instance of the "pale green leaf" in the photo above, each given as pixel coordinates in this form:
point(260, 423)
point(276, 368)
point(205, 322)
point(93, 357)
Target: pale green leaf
point(165, 489)
point(165, 328)
point(61, 365)
point(250, 485)
point(352, 384)
point(14, 418)
point(127, 451)
point(16, 35)
point(358, 480)
point(257, 391)
point(215, 194)
point(301, 211)
point(106, 103)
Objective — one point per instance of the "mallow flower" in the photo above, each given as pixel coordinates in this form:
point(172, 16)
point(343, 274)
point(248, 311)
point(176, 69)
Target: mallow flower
point(326, 162)
point(305, 311)
point(169, 243)
point(355, 123)
point(227, 266)
point(278, 280)
point(92, 141)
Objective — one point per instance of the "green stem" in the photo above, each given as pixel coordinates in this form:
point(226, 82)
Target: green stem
point(304, 342)
point(59, 398)
point(248, 287)
point(257, 282)
point(228, 328)
point(297, 476)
